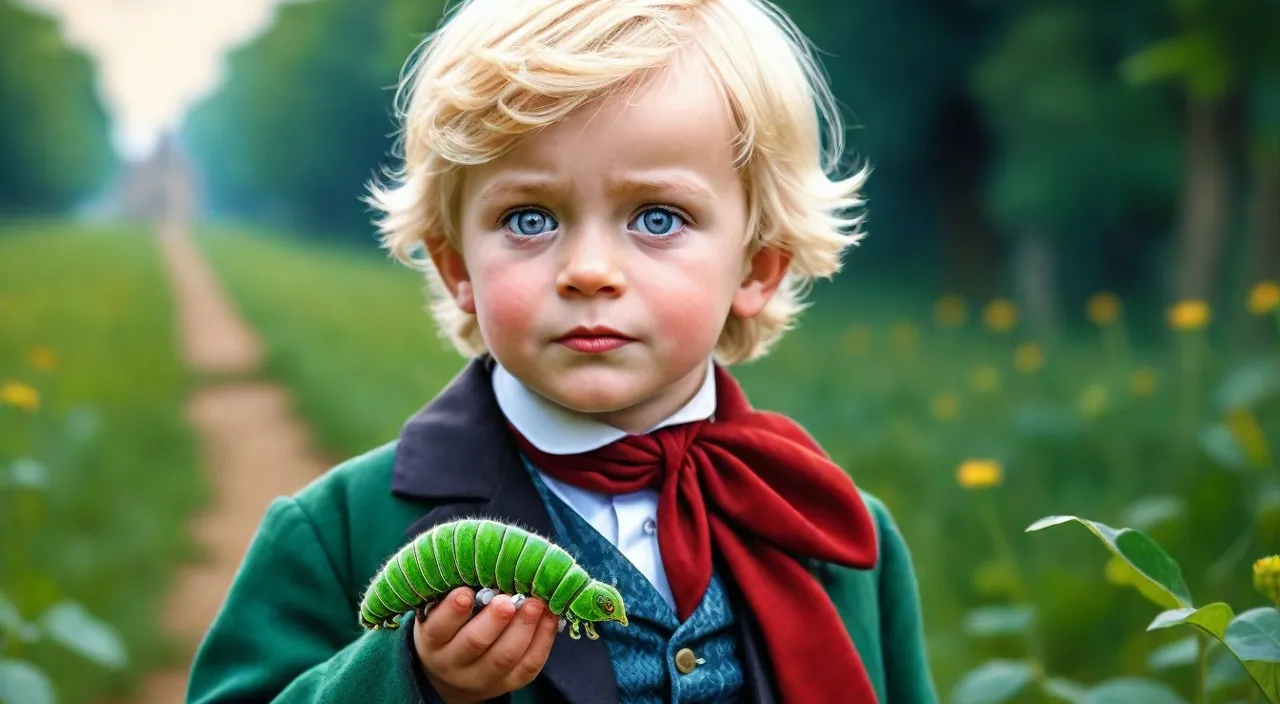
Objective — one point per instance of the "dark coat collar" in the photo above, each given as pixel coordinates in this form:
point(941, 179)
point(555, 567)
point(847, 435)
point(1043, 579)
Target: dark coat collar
point(457, 455)
point(457, 447)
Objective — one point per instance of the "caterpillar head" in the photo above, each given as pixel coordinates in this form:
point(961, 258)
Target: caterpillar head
point(599, 602)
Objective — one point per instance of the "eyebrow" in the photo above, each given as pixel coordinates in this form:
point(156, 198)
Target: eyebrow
point(536, 185)
point(658, 184)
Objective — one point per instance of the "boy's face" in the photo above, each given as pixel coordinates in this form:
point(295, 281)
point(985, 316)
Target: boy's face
point(627, 220)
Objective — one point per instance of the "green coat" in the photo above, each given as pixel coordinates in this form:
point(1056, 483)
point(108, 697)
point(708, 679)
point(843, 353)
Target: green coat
point(288, 631)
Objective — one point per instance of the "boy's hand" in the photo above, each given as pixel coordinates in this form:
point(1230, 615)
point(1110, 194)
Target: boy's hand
point(468, 660)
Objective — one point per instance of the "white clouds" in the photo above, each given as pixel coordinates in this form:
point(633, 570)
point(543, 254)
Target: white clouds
point(156, 57)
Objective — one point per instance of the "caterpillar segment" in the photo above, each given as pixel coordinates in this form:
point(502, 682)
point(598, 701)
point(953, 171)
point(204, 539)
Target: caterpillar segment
point(491, 557)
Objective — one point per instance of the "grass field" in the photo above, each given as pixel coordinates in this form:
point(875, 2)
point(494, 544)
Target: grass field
point(98, 474)
point(967, 427)
point(359, 352)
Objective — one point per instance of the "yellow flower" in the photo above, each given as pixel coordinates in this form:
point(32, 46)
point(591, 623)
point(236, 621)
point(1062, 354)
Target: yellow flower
point(1266, 577)
point(1249, 436)
point(42, 359)
point(1093, 400)
point(1142, 382)
point(1103, 308)
point(19, 395)
point(977, 474)
point(1000, 315)
point(1189, 315)
point(1264, 297)
point(903, 337)
point(985, 379)
point(950, 310)
point(858, 340)
point(1028, 357)
point(945, 406)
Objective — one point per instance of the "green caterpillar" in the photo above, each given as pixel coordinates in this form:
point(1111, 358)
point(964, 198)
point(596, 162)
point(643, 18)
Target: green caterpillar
point(488, 554)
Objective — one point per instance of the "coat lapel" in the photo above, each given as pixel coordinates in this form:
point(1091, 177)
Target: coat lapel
point(457, 454)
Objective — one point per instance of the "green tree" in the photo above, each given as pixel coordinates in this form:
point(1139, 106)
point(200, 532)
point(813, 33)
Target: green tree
point(55, 144)
point(1215, 52)
point(1080, 158)
point(304, 118)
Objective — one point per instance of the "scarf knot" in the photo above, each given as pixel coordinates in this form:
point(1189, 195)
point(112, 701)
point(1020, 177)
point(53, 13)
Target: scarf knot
point(752, 490)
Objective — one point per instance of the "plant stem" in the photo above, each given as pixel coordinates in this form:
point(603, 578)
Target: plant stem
point(1230, 557)
point(1004, 552)
point(1202, 668)
point(1190, 382)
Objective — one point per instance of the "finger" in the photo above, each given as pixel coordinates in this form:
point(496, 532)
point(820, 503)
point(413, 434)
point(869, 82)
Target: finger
point(535, 657)
point(475, 637)
point(445, 620)
point(501, 658)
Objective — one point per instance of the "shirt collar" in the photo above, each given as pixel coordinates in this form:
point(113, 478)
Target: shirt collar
point(554, 430)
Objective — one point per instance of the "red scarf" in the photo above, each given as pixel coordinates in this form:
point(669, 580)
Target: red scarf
point(756, 489)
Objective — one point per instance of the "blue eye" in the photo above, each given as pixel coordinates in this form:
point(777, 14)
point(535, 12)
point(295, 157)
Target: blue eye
point(531, 222)
point(658, 222)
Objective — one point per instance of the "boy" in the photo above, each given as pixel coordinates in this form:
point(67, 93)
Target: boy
point(617, 198)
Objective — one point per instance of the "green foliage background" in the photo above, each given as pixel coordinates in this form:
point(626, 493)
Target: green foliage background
point(1039, 150)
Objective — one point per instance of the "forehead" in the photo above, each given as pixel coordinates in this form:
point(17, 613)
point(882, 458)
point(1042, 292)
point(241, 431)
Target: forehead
point(672, 118)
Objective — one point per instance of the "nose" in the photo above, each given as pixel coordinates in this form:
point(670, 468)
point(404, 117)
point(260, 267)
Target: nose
point(591, 267)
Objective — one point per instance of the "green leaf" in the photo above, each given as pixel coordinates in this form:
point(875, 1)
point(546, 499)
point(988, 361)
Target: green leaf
point(1197, 60)
point(24, 683)
point(1153, 567)
point(1065, 690)
point(1179, 653)
point(1211, 620)
point(1127, 690)
point(12, 623)
point(1171, 58)
point(1254, 638)
point(993, 682)
point(1151, 510)
point(78, 630)
point(29, 473)
point(1220, 445)
point(1224, 669)
point(999, 620)
point(1249, 384)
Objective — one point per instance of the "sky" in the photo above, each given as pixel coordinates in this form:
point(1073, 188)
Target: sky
point(156, 57)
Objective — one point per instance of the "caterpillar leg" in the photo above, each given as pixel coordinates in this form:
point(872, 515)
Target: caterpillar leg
point(590, 628)
point(486, 595)
point(518, 599)
point(574, 631)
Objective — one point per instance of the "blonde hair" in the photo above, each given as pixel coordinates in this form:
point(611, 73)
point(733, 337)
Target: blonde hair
point(498, 70)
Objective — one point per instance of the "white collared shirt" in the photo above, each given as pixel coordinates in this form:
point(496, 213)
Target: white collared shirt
point(628, 521)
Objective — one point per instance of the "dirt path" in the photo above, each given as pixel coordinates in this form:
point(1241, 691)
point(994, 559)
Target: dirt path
point(252, 447)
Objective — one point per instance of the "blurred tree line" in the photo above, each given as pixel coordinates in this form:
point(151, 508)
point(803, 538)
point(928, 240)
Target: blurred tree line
point(1044, 147)
point(55, 142)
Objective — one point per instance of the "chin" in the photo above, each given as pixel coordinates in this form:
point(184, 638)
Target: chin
point(597, 395)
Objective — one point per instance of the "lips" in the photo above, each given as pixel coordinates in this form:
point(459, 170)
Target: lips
point(594, 340)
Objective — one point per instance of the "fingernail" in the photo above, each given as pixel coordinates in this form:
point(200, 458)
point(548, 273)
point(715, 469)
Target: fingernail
point(505, 608)
point(463, 600)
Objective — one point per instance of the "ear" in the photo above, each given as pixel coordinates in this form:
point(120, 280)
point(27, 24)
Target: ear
point(453, 272)
point(765, 271)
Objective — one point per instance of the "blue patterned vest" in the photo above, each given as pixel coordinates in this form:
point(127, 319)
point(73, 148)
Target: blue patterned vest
point(644, 653)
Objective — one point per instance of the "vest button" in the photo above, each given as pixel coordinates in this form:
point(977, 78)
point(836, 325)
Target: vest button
point(686, 661)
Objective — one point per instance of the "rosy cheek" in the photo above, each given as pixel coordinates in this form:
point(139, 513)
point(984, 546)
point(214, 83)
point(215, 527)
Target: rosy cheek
point(506, 303)
point(686, 316)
